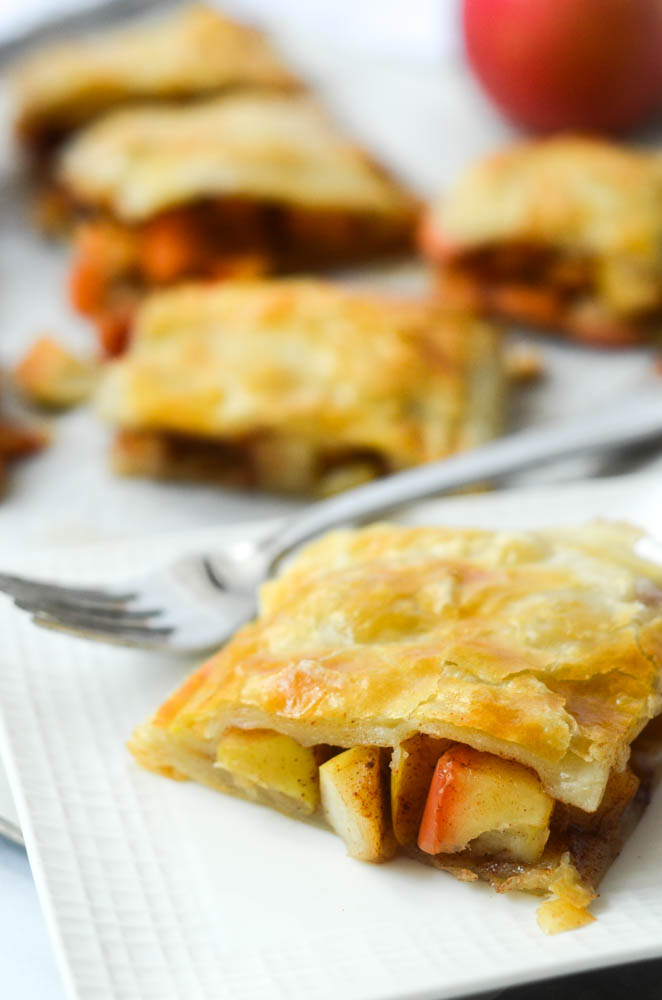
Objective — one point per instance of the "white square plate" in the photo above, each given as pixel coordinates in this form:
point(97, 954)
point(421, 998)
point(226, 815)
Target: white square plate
point(156, 889)
point(9, 824)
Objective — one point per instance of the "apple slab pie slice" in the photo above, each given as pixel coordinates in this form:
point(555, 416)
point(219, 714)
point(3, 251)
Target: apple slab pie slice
point(298, 385)
point(472, 699)
point(564, 234)
point(192, 52)
point(241, 185)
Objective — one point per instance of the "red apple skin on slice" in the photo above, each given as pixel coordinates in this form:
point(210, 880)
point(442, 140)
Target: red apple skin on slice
point(475, 795)
point(412, 766)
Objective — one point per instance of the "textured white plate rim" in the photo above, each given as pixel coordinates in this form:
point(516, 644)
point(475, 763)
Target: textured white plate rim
point(608, 496)
point(46, 899)
point(10, 827)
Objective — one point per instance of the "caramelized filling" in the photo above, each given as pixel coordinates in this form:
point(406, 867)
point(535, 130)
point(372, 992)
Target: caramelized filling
point(214, 239)
point(268, 461)
point(428, 796)
point(467, 812)
point(540, 285)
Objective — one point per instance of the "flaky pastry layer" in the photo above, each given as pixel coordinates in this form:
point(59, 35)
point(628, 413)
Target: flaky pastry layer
point(314, 364)
point(545, 648)
point(264, 146)
point(195, 50)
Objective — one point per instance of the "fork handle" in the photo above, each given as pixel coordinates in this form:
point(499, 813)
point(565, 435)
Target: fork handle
point(630, 420)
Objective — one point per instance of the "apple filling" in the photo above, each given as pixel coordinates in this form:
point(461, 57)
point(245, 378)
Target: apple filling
point(116, 263)
point(268, 461)
point(462, 810)
point(268, 767)
point(599, 301)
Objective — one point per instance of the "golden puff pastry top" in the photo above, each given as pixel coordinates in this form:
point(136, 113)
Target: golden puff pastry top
point(580, 195)
point(194, 50)
point(542, 647)
point(311, 360)
point(264, 146)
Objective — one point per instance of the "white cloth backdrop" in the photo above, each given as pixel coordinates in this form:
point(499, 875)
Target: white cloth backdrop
point(409, 29)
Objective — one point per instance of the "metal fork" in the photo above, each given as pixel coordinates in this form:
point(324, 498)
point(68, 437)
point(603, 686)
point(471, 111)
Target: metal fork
point(197, 601)
point(63, 25)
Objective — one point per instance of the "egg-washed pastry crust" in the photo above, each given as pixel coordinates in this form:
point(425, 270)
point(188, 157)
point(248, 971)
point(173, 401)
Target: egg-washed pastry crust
point(190, 52)
point(543, 648)
point(563, 233)
point(263, 146)
point(298, 385)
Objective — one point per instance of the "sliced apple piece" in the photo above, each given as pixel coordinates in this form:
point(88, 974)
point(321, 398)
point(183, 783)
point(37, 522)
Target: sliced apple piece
point(354, 792)
point(487, 804)
point(522, 843)
point(412, 766)
point(270, 768)
point(51, 376)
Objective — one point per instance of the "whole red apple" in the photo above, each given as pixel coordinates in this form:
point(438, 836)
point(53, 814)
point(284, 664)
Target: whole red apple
point(568, 64)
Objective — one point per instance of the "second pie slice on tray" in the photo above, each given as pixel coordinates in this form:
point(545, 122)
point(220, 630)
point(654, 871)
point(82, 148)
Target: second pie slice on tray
point(243, 184)
point(298, 385)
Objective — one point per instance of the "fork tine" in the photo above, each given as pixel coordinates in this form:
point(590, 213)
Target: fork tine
point(149, 638)
point(23, 589)
point(60, 608)
point(120, 626)
point(85, 618)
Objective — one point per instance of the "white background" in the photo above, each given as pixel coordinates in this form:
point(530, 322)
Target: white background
point(407, 29)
